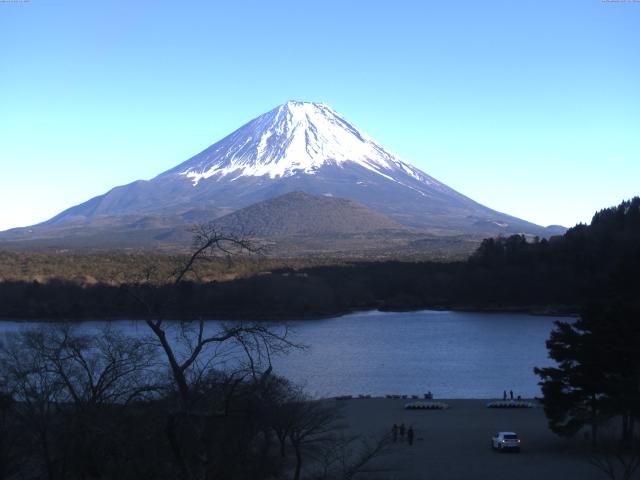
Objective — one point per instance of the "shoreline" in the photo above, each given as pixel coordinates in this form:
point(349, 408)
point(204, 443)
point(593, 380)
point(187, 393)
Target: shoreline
point(455, 443)
point(542, 311)
point(357, 398)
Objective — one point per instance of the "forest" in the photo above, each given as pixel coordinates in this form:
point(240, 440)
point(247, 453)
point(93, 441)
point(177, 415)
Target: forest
point(160, 405)
point(504, 273)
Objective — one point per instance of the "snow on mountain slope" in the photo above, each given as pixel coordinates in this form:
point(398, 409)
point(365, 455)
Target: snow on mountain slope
point(296, 147)
point(296, 137)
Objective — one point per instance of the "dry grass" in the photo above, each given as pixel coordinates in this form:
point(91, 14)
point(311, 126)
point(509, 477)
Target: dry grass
point(117, 267)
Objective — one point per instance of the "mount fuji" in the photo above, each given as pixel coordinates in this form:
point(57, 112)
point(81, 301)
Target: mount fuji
point(296, 147)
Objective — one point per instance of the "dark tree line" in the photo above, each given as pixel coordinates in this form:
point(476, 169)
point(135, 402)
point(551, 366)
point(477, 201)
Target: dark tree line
point(598, 372)
point(307, 293)
point(516, 273)
point(596, 260)
point(596, 383)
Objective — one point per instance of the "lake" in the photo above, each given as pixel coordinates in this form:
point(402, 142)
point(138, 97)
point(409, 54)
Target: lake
point(452, 354)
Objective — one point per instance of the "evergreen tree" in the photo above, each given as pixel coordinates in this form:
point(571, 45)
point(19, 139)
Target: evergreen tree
point(573, 393)
point(617, 330)
point(598, 371)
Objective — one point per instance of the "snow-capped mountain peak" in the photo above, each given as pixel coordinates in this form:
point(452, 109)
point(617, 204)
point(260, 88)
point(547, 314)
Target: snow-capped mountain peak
point(296, 147)
point(296, 137)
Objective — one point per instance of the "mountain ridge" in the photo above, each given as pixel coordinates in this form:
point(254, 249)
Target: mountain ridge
point(297, 146)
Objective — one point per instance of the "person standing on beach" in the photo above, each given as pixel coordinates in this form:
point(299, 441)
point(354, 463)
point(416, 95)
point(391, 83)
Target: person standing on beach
point(511, 394)
point(402, 432)
point(394, 432)
point(504, 395)
point(410, 435)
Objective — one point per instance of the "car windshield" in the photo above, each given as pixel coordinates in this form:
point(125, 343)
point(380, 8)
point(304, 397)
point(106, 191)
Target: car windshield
point(511, 437)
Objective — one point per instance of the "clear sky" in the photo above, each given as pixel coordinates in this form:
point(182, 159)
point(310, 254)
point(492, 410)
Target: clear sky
point(529, 107)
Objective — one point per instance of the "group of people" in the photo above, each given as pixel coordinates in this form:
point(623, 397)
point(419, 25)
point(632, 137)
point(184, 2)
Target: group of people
point(395, 430)
point(504, 395)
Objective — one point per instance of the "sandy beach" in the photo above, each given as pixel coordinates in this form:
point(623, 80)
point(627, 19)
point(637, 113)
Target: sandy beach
point(456, 443)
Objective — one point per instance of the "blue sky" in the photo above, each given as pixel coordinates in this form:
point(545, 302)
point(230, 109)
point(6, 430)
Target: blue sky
point(530, 107)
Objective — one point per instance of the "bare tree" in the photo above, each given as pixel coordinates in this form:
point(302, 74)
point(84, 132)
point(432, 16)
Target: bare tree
point(192, 349)
point(39, 394)
point(316, 435)
point(313, 424)
point(211, 241)
point(618, 460)
point(66, 384)
point(109, 368)
point(257, 341)
point(618, 465)
point(346, 457)
point(9, 433)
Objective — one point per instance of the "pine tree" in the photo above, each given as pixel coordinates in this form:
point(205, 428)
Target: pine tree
point(573, 393)
point(598, 371)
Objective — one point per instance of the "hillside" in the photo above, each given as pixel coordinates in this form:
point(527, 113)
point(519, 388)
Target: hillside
point(600, 260)
point(296, 147)
point(303, 214)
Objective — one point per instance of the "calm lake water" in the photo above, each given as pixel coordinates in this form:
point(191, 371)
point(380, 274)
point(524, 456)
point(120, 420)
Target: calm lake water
point(452, 354)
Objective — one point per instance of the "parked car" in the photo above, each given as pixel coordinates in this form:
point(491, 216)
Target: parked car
point(503, 441)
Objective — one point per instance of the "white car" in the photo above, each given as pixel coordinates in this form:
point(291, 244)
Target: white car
point(502, 441)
